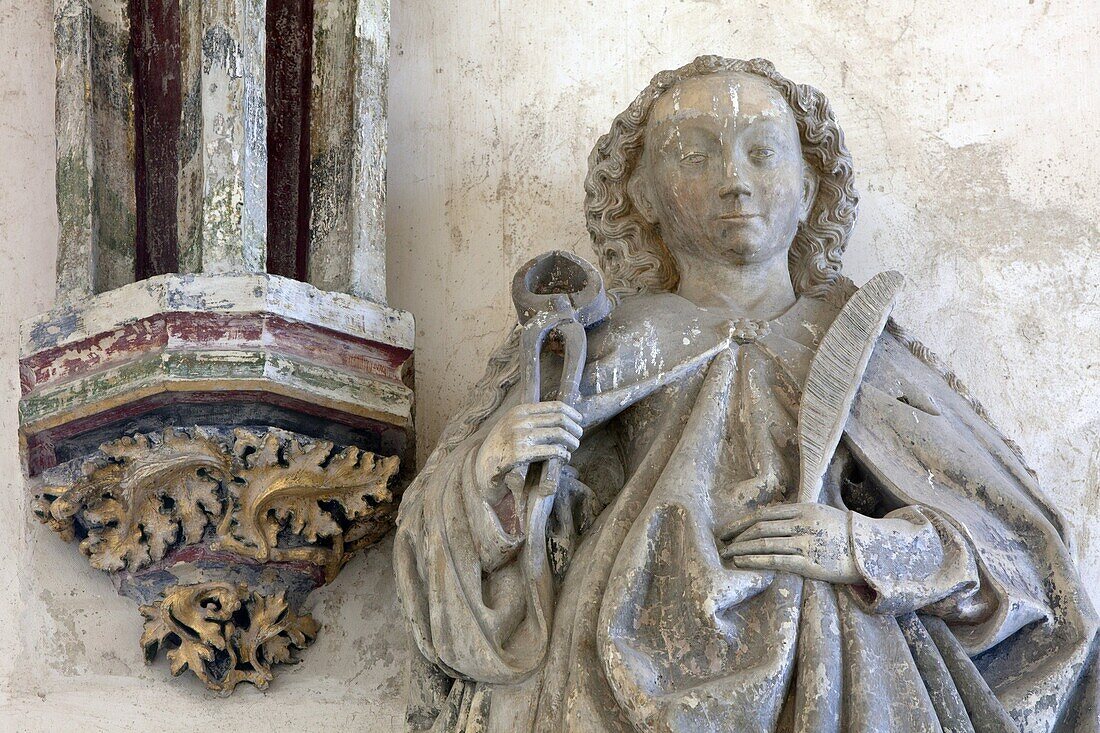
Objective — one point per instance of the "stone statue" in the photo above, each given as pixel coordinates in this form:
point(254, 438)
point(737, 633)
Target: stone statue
point(683, 579)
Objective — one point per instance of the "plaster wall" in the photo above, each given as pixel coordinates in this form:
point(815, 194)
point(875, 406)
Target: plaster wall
point(973, 128)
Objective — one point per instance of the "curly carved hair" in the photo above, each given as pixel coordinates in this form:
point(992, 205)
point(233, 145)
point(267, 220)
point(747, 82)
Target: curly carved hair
point(632, 254)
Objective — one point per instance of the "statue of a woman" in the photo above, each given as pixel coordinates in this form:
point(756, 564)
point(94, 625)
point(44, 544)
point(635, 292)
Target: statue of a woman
point(719, 204)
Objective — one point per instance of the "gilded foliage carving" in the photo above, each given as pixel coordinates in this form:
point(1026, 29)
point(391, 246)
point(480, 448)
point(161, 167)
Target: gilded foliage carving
point(144, 495)
point(302, 490)
point(225, 634)
point(265, 495)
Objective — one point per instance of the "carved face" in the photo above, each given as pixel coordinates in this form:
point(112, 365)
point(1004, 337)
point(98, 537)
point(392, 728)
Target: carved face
point(722, 172)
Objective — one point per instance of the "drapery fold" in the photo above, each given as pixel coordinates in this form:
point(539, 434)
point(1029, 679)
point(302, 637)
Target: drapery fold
point(970, 614)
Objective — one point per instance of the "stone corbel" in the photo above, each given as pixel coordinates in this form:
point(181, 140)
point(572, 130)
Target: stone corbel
point(220, 534)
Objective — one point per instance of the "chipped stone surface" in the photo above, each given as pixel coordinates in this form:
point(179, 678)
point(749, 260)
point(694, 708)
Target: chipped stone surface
point(75, 182)
point(368, 174)
point(348, 141)
point(492, 115)
point(225, 294)
point(331, 139)
point(112, 144)
point(189, 196)
point(95, 149)
point(234, 137)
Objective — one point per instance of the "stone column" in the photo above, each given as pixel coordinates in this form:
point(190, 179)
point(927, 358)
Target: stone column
point(348, 135)
point(215, 436)
point(190, 195)
point(234, 137)
point(75, 183)
point(95, 151)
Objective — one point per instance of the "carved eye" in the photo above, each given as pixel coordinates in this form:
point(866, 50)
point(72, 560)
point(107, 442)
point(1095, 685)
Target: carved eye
point(762, 153)
point(694, 158)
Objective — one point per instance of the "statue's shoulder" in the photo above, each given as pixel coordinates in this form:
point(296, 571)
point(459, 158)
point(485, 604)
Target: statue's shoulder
point(812, 315)
point(657, 324)
point(655, 308)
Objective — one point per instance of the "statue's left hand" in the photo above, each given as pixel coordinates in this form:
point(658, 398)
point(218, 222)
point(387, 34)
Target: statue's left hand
point(811, 540)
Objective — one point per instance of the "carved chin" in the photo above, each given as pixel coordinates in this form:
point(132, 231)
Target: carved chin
point(748, 251)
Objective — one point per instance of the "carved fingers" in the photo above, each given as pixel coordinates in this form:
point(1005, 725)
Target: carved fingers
point(540, 431)
point(526, 434)
point(811, 540)
point(777, 512)
point(552, 412)
point(775, 528)
point(781, 563)
point(795, 545)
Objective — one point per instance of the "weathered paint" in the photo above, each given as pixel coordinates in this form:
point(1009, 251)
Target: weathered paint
point(113, 144)
point(348, 148)
point(82, 436)
point(277, 296)
point(192, 563)
point(330, 140)
point(75, 243)
point(179, 331)
point(234, 137)
point(171, 147)
point(289, 55)
point(194, 357)
point(189, 193)
point(368, 173)
point(173, 339)
point(158, 115)
point(215, 370)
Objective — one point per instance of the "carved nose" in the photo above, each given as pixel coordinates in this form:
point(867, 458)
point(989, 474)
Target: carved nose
point(733, 185)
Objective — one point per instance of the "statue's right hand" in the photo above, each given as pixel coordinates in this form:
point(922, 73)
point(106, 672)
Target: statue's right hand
point(525, 434)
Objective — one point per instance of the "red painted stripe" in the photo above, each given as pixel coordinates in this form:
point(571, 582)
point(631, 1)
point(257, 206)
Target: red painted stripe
point(81, 357)
point(289, 58)
point(181, 330)
point(336, 349)
point(158, 104)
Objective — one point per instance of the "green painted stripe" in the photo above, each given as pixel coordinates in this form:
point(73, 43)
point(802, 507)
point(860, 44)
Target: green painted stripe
point(223, 368)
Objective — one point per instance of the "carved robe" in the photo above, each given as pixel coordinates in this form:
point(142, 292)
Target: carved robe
point(971, 616)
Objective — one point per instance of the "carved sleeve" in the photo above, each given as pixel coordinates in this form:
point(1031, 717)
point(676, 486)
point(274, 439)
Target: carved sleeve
point(496, 543)
point(913, 559)
point(465, 616)
point(471, 606)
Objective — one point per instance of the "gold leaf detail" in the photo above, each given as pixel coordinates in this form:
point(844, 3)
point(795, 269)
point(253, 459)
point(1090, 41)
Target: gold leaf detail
point(140, 497)
point(304, 491)
point(193, 623)
point(40, 507)
point(268, 495)
point(225, 634)
point(273, 634)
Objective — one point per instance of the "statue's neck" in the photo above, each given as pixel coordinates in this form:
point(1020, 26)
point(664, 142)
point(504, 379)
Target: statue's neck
point(758, 290)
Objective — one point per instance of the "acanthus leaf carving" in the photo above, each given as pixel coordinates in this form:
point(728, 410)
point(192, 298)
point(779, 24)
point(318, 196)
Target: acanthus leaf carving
point(304, 490)
point(274, 633)
point(225, 634)
point(264, 495)
point(134, 500)
point(244, 498)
